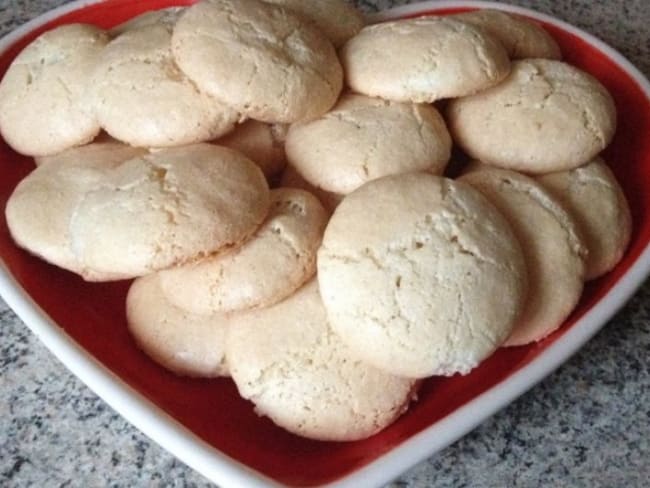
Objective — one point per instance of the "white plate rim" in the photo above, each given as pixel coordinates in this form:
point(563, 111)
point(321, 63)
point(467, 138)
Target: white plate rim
point(220, 468)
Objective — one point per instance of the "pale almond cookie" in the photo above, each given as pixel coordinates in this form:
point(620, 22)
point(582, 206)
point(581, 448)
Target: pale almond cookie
point(142, 98)
point(260, 58)
point(41, 206)
point(44, 103)
point(595, 199)
point(521, 37)
point(420, 275)
point(363, 138)
point(168, 208)
point(338, 20)
point(546, 116)
point(165, 16)
point(288, 361)
point(185, 343)
point(270, 266)
point(423, 60)
point(292, 179)
point(552, 246)
point(262, 143)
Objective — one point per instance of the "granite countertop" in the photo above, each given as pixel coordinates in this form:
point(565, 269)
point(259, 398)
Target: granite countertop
point(588, 424)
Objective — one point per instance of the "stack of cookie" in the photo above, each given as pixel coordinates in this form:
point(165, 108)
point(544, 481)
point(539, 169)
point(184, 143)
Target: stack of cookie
point(327, 289)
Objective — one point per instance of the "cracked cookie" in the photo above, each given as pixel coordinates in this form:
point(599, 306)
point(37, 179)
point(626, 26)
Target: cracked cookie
point(553, 248)
point(423, 60)
point(142, 98)
point(364, 138)
point(38, 211)
point(596, 201)
point(267, 268)
point(288, 361)
point(183, 342)
point(44, 103)
point(263, 60)
point(167, 208)
point(546, 116)
point(420, 275)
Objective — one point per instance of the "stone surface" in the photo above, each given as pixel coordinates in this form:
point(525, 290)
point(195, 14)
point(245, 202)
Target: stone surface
point(585, 425)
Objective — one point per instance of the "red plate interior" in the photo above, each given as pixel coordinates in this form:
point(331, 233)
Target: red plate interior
point(93, 314)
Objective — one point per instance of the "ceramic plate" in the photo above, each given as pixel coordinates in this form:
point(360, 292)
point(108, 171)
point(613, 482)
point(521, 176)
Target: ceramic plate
point(205, 423)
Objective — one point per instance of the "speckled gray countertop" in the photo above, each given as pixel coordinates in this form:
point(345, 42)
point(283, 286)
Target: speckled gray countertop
point(587, 425)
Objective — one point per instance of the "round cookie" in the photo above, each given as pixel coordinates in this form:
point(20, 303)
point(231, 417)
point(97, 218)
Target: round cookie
point(168, 208)
point(287, 360)
point(142, 98)
point(185, 343)
point(165, 16)
point(44, 104)
point(594, 198)
point(260, 142)
point(422, 60)
point(337, 19)
point(362, 139)
point(270, 266)
point(546, 116)
point(553, 250)
point(40, 208)
point(292, 179)
point(261, 59)
point(420, 275)
point(521, 37)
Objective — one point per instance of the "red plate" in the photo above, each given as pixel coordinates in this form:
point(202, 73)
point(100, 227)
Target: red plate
point(206, 423)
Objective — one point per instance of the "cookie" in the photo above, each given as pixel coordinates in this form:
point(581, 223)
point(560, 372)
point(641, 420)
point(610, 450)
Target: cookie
point(44, 104)
point(595, 199)
point(260, 142)
point(165, 16)
point(168, 208)
point(420, 275)
point(546, 116)
point(261, 59)
point(292, 179)
point(521, 37)
point(40, 208)
point(337, 19)
point(553, 249)
point(270, 266)
point(287, 360)
point(143, 99)
point(363, 138)
point(422, 60)
point(182, 342)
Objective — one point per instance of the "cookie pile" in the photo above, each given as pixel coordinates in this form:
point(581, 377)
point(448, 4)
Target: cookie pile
point(329, 288)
